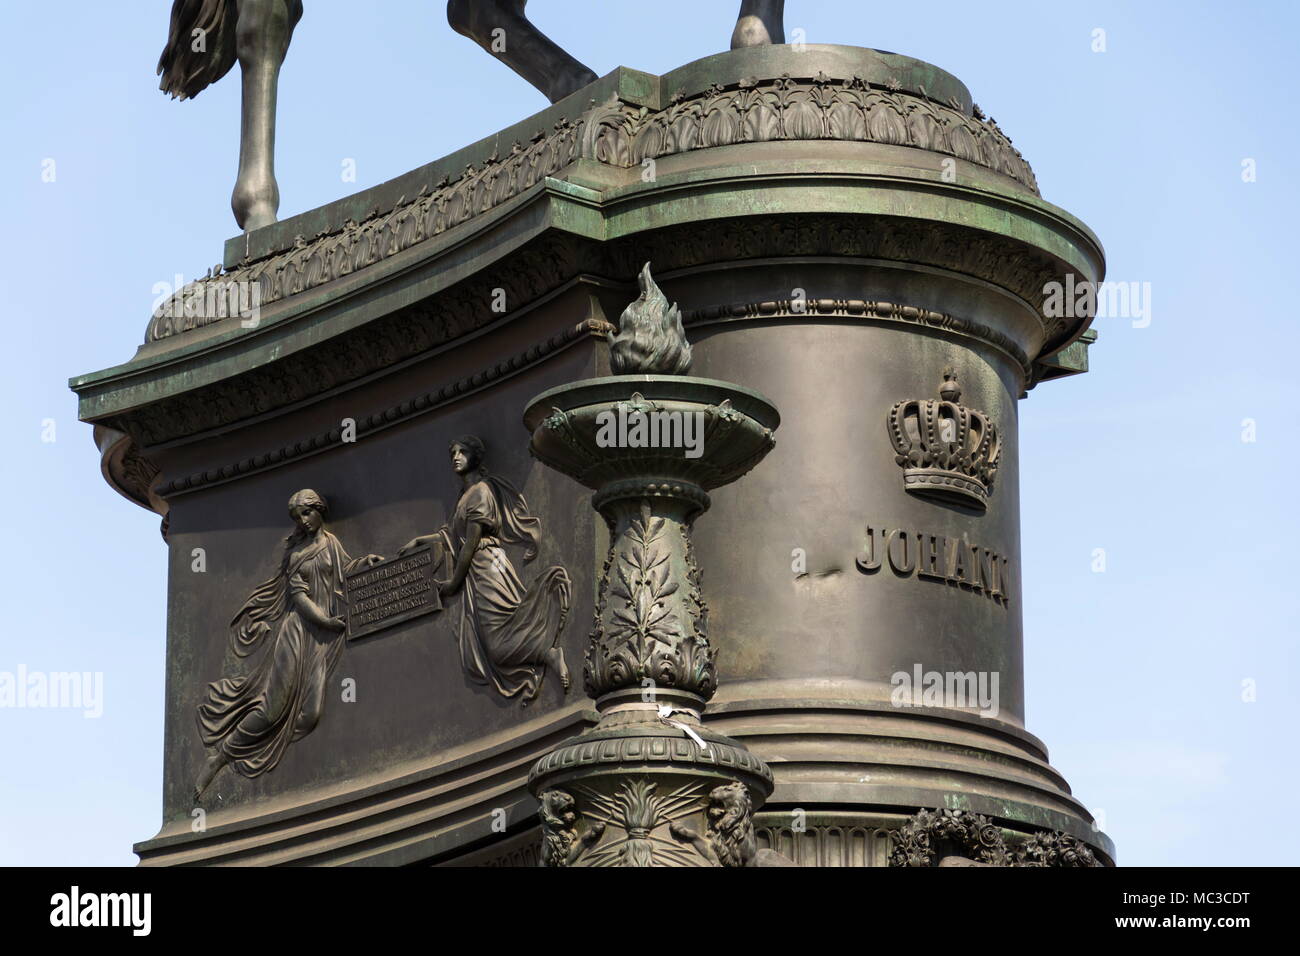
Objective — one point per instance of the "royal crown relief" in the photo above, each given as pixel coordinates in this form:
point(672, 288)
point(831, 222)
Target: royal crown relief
point(949, 454)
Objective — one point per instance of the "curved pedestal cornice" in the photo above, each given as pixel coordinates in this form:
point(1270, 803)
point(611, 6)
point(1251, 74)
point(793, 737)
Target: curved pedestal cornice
point(814, 165)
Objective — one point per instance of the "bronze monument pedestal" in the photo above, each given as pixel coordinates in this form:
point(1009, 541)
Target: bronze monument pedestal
point(844, 233)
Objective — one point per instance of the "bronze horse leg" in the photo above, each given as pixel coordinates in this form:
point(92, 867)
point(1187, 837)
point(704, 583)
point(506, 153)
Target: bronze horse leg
point(759, 24)
point(500, 27)
point(206, 39)
point(262, 35)
point(208, 36)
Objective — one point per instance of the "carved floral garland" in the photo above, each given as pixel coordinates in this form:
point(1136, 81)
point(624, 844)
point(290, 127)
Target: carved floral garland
point(922, 840)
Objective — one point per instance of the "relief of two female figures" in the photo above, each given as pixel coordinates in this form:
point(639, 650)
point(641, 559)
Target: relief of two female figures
point(295, 623)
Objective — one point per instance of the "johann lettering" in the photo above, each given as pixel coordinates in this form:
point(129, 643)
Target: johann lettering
point(939, 558)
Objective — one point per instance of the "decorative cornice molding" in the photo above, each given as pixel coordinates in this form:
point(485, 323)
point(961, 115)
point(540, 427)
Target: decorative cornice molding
point(549, 262)
point(531, 273)
point(322, 441)
point(999, 261)
point(789, 108)
point(615, 134)
point(392, 415)
point(331, 256)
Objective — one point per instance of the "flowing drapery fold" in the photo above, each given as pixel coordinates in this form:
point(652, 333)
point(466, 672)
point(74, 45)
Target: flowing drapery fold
point(254, 717)
point(505, 630)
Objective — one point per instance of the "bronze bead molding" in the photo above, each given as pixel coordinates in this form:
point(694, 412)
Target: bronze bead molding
point(864, 309)
point(621, 135)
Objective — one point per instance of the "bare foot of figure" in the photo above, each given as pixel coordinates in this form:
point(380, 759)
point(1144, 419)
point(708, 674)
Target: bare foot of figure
point(211, 767)
point(555, 659)
point(262, 36)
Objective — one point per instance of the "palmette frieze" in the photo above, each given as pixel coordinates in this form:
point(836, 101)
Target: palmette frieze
point(786, 108)
point(614, 134)
point(880, 310)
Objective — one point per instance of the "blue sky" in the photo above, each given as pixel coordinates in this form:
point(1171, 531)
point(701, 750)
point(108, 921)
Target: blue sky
point(1134, 674)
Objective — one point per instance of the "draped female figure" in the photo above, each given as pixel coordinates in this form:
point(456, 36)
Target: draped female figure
point(508, 635)
point(296, 621)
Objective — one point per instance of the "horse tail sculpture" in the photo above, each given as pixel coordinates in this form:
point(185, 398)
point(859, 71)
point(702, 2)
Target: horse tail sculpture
point(200, 46)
